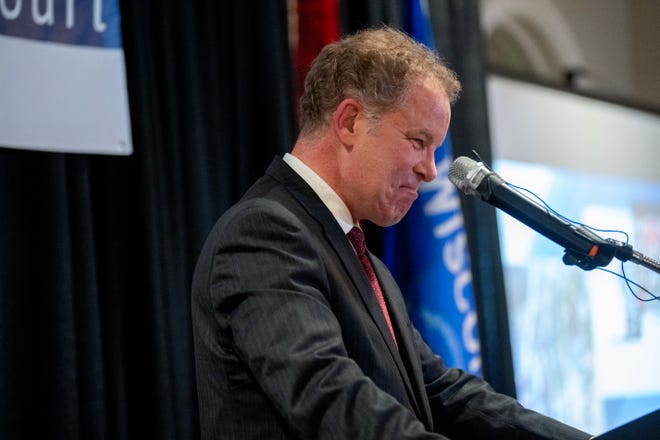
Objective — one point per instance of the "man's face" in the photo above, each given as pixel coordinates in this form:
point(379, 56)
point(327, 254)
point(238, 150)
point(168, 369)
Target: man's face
point(393, 156)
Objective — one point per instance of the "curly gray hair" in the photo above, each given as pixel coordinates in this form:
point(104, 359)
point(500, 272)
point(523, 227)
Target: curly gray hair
point(374, 66)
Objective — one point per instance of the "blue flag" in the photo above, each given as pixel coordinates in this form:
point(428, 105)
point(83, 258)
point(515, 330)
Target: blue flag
point(427, 251)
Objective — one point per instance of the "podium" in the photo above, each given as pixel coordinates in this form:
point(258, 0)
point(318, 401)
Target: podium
point(644, 428)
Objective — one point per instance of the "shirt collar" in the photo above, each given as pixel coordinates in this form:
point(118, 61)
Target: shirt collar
point(327, 195)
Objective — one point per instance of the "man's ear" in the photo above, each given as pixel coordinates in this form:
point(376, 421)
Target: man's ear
point(344, 118)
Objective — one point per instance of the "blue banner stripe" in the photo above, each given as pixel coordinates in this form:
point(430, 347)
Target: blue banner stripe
point(427, 252)
point(81, 22)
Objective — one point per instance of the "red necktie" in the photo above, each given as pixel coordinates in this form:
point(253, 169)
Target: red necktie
point(356, 236)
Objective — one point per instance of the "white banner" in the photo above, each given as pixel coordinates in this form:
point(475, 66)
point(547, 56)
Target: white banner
point(62, 77)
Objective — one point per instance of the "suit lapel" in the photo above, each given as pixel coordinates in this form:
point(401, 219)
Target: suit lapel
point(410, 367)
point(338, 240)
point(397, 316)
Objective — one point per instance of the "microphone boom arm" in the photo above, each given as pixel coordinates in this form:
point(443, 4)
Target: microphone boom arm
point(643, 260)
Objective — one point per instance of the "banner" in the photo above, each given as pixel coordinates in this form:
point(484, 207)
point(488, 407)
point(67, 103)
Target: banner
point(427, 251)
point(62, 77)
point(317, 25)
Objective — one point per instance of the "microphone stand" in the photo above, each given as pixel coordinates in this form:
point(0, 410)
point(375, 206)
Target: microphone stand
point(645, 261)
point(604, 251)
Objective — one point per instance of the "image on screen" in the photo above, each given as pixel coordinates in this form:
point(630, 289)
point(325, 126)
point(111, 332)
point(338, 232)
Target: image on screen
point(585, 350)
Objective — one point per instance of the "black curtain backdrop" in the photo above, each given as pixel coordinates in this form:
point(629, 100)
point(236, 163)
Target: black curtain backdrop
point(97, 252)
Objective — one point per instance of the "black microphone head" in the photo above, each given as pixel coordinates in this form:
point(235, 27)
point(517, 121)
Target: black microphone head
point(460, 172)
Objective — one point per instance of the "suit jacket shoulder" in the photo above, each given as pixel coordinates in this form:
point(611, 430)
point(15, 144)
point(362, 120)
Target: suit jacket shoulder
point(280, 305)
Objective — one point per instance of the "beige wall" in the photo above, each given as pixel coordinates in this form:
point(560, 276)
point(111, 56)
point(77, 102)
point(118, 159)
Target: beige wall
point(645, 34)
point(617, 41)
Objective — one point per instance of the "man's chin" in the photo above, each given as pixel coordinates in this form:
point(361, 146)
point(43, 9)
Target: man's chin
point(391, 220)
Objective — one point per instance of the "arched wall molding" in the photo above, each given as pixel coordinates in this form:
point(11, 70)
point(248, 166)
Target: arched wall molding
point(539, 29)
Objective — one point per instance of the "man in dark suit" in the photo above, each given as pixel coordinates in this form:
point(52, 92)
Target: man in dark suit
point(300, 333)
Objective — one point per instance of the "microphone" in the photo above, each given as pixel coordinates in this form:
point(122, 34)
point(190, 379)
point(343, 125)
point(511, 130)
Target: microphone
point(582, 247)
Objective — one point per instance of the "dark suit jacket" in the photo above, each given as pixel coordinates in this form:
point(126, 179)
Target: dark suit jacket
point(290, 341)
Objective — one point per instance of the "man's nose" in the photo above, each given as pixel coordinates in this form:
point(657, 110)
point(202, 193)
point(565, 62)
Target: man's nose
point(427, 167)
